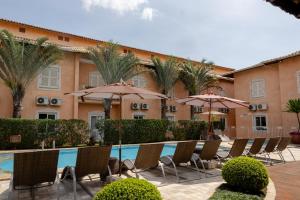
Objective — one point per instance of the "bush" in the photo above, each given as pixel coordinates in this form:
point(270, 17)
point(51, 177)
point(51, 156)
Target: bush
point(245, 174)
point(33, 132)
point(133, 131)
point(128, 189)
point(189, 130)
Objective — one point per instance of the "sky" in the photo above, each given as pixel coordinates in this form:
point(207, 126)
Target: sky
point(231, 33)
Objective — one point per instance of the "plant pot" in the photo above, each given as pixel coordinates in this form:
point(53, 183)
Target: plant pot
point(295, 137)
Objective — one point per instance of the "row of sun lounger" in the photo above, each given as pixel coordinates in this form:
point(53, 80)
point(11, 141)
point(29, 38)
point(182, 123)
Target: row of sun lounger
point(34, 169)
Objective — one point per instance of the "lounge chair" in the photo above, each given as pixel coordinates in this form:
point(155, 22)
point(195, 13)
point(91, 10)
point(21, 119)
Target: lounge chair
point(183, 154)
point(147, 158)
point(208, 152)
point(236, 150)
point(222, 136)
point(90, 160)
point(256, 146)
point(283, 145)
point(270, 147)
point(34, 170)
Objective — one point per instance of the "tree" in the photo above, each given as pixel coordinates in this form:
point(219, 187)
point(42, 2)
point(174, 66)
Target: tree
point(20, 63)
point(165, 75)
point(197, 78)
point(293, 106)
point(113, 67)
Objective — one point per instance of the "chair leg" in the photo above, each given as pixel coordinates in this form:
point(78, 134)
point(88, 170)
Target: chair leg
point(162, 169)
point(10, 190)
point(57, 182)
point(74, 182)
point(195, 163)
point(291, 153)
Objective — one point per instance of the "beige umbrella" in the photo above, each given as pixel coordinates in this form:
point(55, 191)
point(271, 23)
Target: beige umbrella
point(213, 101)
point(119, 91)
point(213, 112)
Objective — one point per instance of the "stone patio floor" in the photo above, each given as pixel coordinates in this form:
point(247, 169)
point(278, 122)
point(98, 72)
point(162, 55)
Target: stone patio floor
point(188, 188)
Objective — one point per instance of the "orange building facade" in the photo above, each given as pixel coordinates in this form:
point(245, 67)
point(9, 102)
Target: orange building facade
point(267, 86)
point(45, 96)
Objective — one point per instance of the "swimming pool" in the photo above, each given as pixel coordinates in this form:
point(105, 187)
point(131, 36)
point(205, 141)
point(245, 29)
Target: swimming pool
point(67, 157)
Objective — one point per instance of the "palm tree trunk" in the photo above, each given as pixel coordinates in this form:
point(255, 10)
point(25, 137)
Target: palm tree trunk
point(298, 122)
point(163, 108)
point(107, 108)
point(17, 104)
point(192, 113)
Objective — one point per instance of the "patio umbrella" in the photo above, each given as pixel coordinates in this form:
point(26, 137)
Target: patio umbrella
point(213, 112)
point(212, 101)
point(118, 91)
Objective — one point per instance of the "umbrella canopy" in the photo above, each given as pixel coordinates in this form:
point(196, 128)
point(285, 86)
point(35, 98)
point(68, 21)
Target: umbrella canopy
point(213, 101)
point(213, 112)
point(117, 91)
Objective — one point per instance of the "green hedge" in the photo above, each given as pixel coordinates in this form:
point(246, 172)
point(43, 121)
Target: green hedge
point(189, 130)
point(127, 189)
point(150, 130)
point(133, 131)
point(64, 132)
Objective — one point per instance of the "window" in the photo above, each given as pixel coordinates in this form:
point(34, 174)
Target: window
point(258, 88)
point(93, 118)
point(22, 30)
point(67, 39)
point(47, 115)
point(50, 78)
point(298, 81)
point(170, 117)
point(260, 123)
point(95, 79)
point(139, 81)
point(60, 37)
point(171, 93)
point(138, 115)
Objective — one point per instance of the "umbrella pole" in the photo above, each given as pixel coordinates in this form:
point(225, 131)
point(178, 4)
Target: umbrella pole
point(120, 137)
point(209, 119)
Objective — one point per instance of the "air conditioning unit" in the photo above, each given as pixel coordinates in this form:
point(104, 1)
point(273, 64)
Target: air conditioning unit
point(198, 109)
point(173, 108)
point(144, 106)
point(135, 106)
point(262, 106)
point(56, 101)
point(42, 101)
point(167, 108)
point(253, 107)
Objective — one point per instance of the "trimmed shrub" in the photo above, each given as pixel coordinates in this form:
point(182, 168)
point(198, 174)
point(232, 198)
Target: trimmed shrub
point(189, 130)
point(245, 174)
point(133, 131)
point(127, 189)
point(33, 132)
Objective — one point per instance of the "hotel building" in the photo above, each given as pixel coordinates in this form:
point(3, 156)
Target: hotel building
point(45, 96)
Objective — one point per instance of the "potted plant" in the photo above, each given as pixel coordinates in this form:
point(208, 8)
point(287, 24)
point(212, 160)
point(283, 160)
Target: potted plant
point(293, 106)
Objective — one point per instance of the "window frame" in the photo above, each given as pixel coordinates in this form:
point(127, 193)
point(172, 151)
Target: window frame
point(51, 112)
point(298, 80)
point(42, 87)
point(140, 114)
point(171, 93)
point(139, 78)
point(254, 122)
point(264, 88)
point(99, 81)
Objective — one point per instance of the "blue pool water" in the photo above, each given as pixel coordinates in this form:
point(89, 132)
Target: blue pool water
point(67, 157)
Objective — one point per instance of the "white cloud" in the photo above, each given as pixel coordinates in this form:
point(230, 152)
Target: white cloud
point(120, 6)
point(147, 13)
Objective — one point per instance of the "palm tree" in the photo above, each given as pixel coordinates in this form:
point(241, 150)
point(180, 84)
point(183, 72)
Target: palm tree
point(113, 67)
point(293, 106)
point(197, 78)
point(21, 62)
point(166, 75)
